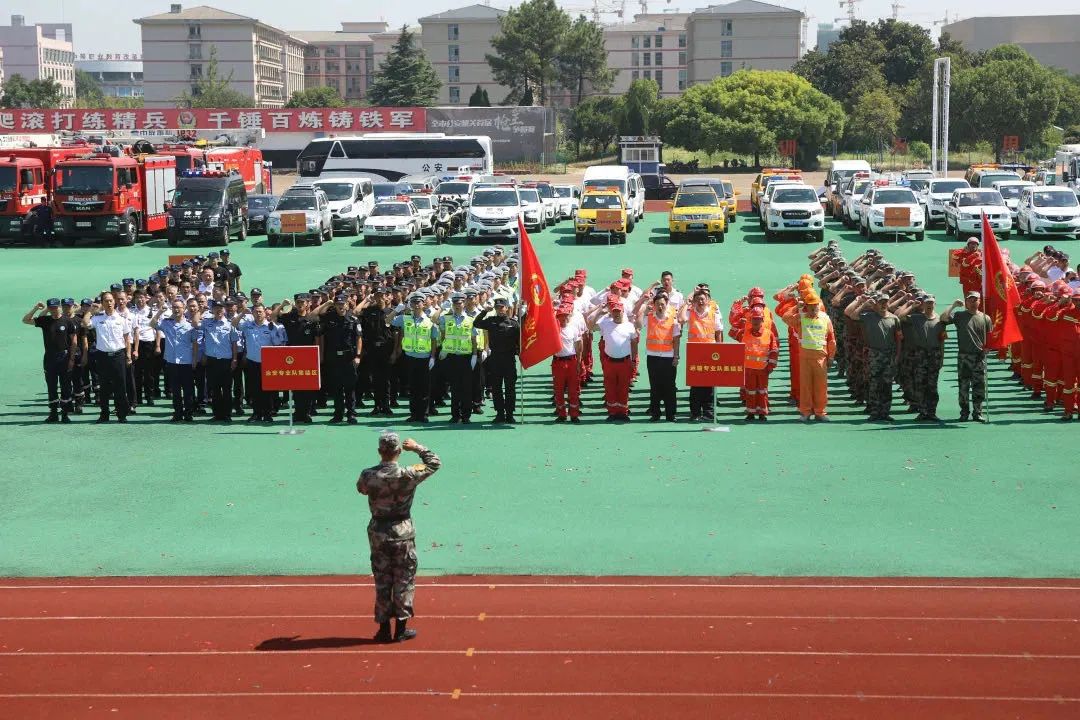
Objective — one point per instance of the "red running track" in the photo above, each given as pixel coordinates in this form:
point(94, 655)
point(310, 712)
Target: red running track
point(542, 647)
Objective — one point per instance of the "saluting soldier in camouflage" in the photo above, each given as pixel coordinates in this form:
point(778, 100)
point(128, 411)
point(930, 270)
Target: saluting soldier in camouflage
point(390, 487)
point(927, 333)
point(972, 329)
point(881, 332)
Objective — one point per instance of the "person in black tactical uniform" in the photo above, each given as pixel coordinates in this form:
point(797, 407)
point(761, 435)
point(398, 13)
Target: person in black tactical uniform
point(60, 336)
point(342, 345)
point(302, 327)
point(378, 348)
point(504, 338)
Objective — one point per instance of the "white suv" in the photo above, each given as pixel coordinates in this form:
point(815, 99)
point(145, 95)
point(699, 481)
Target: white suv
point(892, 200)
point(1048, 211)
point(963, 213)
point(568, 199)
point(934, 196)
point(1010, 192)
point(533, 210)
point(393, 220)
point(852, 200)
point(425, 205)
point(493, 212)
point(795, 209)
point(763, 201)
point(308, 201)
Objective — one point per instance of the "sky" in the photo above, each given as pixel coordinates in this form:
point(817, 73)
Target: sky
point(99, 26)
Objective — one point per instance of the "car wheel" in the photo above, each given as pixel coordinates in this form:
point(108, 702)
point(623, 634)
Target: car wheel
point(243, 232)
point(318, 238)
point(720, 237)
point(630, 225)
point(673, 237)
point(920, 236)
point(948, 228)
point(224, 239)
point(173, 242)
point(329, 233)
point(355, 227)
point(1004, 235)
point(820, 236)
point(578, 238)
point(271, 240)
point(367, 240)
point(131, 230)
point(1019, 228)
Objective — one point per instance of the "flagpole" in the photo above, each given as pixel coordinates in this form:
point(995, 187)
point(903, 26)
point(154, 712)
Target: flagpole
point(517, 312)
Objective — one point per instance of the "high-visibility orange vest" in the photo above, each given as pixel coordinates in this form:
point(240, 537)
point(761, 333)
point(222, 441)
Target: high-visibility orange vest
point(757, 346)
point(703, 329)
point(660, 336)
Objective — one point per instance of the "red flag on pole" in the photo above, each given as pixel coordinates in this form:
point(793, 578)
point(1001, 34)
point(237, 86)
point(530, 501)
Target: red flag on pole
point(1000, 296)
point(539, 328)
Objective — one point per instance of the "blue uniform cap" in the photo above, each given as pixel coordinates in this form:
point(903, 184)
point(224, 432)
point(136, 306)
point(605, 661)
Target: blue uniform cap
point(68, 302)
point(225, 252)
point(53, 302)
point(256, 291)
point(140, 283)
point(129, 281)
point(213, 255)
point(86, 302)
point(501, 302)
point(116, 287)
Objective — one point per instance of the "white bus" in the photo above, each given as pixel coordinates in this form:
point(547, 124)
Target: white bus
point(392, 156)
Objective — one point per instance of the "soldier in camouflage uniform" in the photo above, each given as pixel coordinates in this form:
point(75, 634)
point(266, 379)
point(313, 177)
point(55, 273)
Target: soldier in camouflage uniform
point(881, 333)
point(926, 332)
point(390, 488)
point(972, 329)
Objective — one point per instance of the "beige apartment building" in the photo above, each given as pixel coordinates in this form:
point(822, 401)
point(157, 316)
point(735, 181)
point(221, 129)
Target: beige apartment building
point(722, 39)
point(456, 42)
point(266, 64)
point(342, 59)
point(38, 52)
point(652, 47)
point(1053, 40)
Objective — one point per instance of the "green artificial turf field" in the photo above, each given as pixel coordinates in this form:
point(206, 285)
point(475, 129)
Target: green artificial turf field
point(781, 498)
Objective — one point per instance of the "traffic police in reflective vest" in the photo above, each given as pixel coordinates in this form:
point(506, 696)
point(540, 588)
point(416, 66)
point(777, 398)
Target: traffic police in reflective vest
point(458, 354)
point(417, 342)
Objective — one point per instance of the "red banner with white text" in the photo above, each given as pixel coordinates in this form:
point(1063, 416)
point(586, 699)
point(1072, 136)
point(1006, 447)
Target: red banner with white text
point(328, 120)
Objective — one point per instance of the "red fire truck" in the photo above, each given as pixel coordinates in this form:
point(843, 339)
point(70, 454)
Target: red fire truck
point(105, 196)
point(24, 185)
point(247, 161)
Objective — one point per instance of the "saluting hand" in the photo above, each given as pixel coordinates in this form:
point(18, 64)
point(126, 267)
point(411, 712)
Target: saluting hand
point(38, 306)
point(410, 445)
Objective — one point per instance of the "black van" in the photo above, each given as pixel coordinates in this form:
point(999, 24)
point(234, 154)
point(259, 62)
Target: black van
point(208, 205)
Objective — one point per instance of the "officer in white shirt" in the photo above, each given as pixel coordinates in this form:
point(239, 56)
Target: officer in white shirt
point(113, 346)
point(142, 351)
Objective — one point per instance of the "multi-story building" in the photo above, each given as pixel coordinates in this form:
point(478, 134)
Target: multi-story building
point(38, 52)
point(722, 39)
point(1053, 40)
point(342, 59)
point(456, 42)
point(1, 66)
point(263, 62)
point(652, 47)
point(119, 74)
point(827, 34)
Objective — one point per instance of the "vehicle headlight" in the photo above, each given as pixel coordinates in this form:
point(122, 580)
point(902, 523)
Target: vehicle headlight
point(213, 220)
point(273, 220)
point(474, 218)
point(877, 214)
point(774, 213)
point(819, 211)
point(716, 216)
point(171, 221)
point(345, 209)
point(1038, 216)
point(969, 216)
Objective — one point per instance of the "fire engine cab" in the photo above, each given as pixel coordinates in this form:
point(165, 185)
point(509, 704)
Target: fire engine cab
point(247, 161)
point(112, 197)
point(24, 188)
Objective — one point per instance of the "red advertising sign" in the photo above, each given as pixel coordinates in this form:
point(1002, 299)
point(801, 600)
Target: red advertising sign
point(786, 148)
point(714, 364)
point(291, 368)
point(899, 146)
point(1010, 143)
point(954, 263)
point(342, 121)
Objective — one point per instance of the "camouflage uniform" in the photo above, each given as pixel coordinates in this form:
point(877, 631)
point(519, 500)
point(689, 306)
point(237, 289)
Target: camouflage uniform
point(928, 362)
point(882, 370)
point(971, 371)
point(390, 488)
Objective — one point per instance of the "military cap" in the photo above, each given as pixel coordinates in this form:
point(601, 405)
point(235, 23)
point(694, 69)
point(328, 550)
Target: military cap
point(86, 302)
point(301, 296)
point(213, 255)
point(416, 297)
point(389, 443)
point(457, 297)
point(230, 301)
point(53, 302)
point(256, 291)
point(225, 252)
point(974, 294)
point(116, 287)
point(501, 302)
point(514, 261)
point(488, 252)
point(67, 302)
point(415, 257)
point(471, 292)
point(341, 298)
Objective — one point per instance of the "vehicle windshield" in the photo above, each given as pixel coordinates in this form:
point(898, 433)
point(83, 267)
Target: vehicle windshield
point(388, 189)
point(887, 197)
point(418, 186)
point(729, 189)
point(84, 179)
point(256, 202)
point(529, 195)
point(860, 187)
point(337, 190)
point(1054, 199)
point(453, 188)
point(716, 187)
point(563, 192)
point(619, 185)
point(991, 197)
point(7, 179)
point(544, 191)
point(770, 179)
point(945, 187)
point(989, 180)
point(495, 198)
point(918, 184)
point(839, 176)
point(385, 209)
point(1011, 192)
point(593, 201)
point(296, 202)
point(696, 199)
point(795, 195)
point(196, 197)
point(422, 202)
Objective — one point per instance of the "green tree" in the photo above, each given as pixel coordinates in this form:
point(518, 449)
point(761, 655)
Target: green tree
point(527, 98)
point(316, 97)
point(16, 92)
point(582, 59)
point(1007, 93)
point(479, 98)
point(749, 111)
point(595, 123)
point(639, 102)
point(528, 47)
point(873, 120)
point(406, 77)
point(487, 100)
point(845, 72)
point(213, 91)
point(88, 91)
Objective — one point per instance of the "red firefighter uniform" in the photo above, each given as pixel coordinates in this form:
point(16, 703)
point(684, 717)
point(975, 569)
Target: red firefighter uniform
point(1055, 345)
point(761, 343)
point(1070, 356)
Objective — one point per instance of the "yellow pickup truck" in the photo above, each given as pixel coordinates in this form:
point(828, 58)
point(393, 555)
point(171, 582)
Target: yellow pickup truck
point(697, 210)
point(601, 211)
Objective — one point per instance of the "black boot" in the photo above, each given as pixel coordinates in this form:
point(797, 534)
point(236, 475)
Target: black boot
point(54, 416)
point(401, 633)
point(383, 636)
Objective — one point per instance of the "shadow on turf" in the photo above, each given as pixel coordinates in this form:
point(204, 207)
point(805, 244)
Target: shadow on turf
point(286, 644)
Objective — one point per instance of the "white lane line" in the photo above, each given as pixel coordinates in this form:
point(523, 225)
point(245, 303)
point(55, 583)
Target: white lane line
point(438, 693)
point(489, 616)
point(338, 651)
point(500, 586)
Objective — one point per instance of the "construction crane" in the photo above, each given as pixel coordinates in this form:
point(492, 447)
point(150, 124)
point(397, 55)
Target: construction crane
point(896, 8)
point(850, 5)
point(945, 20)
